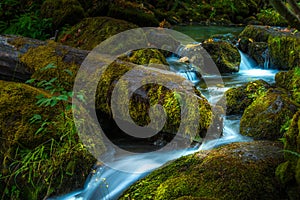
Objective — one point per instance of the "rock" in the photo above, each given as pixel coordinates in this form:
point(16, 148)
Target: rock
point(224, 54)
point(55, 57)
point(288, 172)
point(44, 157)
point(144, 95)
point(283, 45)
point(20, 57)
point(62, 12)
point(134, 13)
point(234, 171)
point(265, 116)
point(236, 100)
point(90, 32)
point(260, 54)
point(290, 81)
point(145, 57)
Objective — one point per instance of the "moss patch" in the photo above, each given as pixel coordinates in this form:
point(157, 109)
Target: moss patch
point(37, 59)
point(36, 164)
point(265, 116)
point(238, 99)
point(235, 171)
point(290, 81)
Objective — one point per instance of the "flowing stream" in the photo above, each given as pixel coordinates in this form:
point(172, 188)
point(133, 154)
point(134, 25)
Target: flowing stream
point(107, 183)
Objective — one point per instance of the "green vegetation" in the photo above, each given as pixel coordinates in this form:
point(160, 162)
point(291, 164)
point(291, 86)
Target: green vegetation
point(41, 153)
point(265, 116)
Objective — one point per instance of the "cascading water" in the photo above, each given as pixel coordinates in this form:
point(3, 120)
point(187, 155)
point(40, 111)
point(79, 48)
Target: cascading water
point(107, 183)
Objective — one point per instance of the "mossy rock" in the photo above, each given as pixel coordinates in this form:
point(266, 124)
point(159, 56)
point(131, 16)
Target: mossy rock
point(62, 12)
point(90, 32)
point(235, 171)
point(265, 116)
point(238, 99)
point(146, 57)
point(141, 81)
point(289, 171)
point(260, 53)
point(290, 81)
point(283, 45)
point(224, 54)
point(49, 61)
point(133, 14)
point(37, 163)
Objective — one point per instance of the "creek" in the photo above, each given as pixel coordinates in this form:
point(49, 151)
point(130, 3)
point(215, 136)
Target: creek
point(108, 183)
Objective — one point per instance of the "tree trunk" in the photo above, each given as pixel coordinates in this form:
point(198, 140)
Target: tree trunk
point(12, 47)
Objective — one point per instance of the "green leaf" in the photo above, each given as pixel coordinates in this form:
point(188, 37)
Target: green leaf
point(49, 66)
point(68, 72)
point(62, 98)
point(30, 81)
point(80, 97)
point(53, 102)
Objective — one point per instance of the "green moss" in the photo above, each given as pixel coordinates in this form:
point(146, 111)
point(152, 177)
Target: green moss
point(224, 54)
point(38, 164)
point(36, 59)
point(284, 51)
point(150, 94)
point(265, 116)
point(62, 12)
point(238, 99)
point(235, 171)
point(147, 56)
point(284, 47)
point(290, 80)
point(284, 173)
point(90, 32)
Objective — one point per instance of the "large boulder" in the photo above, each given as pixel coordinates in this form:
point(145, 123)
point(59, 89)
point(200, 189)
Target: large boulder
point(172, 91)
point(238, 99)
point(90, 32)
point(62, 12)
point(40, 151)
point(283, 45)
point(288, 172)
point(224, 54)
point(235, 171)
point(265, 116)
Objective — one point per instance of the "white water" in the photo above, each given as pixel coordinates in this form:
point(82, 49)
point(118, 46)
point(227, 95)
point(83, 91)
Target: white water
point(108, 184)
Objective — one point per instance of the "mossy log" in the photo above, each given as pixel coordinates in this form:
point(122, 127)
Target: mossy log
point(13, 47)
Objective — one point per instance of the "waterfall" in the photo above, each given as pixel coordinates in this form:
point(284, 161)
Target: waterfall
point(184, 69)
point(266, 57)
point(247, 63)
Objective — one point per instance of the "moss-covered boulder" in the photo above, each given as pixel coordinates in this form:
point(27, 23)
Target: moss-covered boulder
point(289, 172)
point(151, 86)
point(283, 45)
point(92, 31)
point(62, 12)
point(238, 99)
point(290, 81)
point(235, 171)
point(40, 151)
point(265, 116)
point(51, 61)
point(224, 54)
